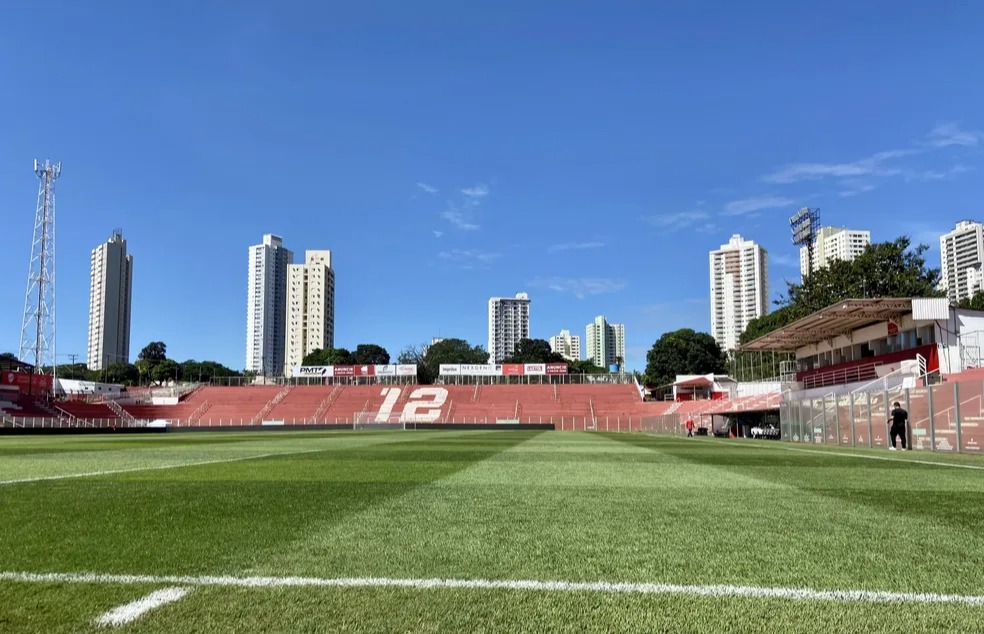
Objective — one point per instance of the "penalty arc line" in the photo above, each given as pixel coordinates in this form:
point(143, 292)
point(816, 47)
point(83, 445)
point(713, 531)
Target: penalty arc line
point(758, 592)
point(199, 463)
point(135, 609)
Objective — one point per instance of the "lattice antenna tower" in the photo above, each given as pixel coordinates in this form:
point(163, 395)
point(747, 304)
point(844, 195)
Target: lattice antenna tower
point(37, 345)
point(805, 225)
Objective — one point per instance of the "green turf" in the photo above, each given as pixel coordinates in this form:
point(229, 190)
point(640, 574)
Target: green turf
point(495, 505)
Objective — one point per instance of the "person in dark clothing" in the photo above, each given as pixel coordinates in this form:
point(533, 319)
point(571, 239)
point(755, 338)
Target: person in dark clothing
point(899, 417)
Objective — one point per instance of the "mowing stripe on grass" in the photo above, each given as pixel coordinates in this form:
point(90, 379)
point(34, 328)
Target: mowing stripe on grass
point(135, 609)
point(605, 587)
point(158, 467)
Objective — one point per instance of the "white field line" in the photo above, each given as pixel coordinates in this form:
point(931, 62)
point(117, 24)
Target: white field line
point(860, 456)
point(861, 596)
point(158, 467)
point(135, 609)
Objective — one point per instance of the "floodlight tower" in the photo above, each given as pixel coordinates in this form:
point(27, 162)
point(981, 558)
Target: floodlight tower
point(37, 345)
point(805, 224)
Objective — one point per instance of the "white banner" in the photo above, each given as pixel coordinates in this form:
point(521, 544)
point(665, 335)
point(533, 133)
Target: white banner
point(385, 370)
point(321, 371)
point(480, 369)
point(535, 369)
point(406, 370)
point(448, 369)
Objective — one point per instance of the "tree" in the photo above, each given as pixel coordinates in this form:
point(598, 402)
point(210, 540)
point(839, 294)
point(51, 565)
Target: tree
point(9, 356)
point(973, 303)
point(197, 371)
point(452, 351)
point(370, 354)
point(329, 356)
point(683, 351)
point(583, 367)
point(533, 351)
point(154, 352)
point(122, 373)
point(414, 355)
point(166, 370)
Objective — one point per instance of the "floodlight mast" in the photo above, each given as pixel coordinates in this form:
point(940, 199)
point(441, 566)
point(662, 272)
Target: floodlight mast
point(37, 345)
point(805, 224)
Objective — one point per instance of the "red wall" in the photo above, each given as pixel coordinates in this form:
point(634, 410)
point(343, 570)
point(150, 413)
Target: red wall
point(930, 351)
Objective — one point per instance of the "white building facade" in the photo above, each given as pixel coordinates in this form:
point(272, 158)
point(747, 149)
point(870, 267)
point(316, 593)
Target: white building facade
point(110, 294)
point(833, 243)
point(266, 306)
point(566, 345)
point(605, 343)
point(739, 289)
point(310, 306)
point(509, 321)
point(962, 255)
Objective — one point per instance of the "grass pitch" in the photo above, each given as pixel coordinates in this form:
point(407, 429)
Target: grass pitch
point(706, 517)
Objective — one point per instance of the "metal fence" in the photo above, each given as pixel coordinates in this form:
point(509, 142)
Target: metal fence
point(945, 417)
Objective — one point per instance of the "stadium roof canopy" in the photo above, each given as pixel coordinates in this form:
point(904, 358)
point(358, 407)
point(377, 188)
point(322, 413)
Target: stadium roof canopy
point(841, 318)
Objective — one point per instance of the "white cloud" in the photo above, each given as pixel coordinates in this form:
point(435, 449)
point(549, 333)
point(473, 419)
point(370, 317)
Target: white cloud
point(478, 191)
point(430, 189)
point(574, 246)
point(936, 175)
point(854, 187)
point(438, 234)
point(947, 134)
point(469, 258)
point(680, 220)
point(873, 165)
point(784, 259)
point(751, 205)
point(459, 219)
point(580, 287)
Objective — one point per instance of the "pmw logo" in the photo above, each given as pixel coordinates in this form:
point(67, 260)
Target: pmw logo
point(424, 405)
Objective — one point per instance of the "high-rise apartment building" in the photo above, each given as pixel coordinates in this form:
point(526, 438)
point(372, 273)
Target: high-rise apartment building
point(962, 254)
point(266, 306)
point(310, 307)
point(605, 343)
point(509, 321)
point(566, 345)
point(833, 243)
point(110, 294)
point(739, 289)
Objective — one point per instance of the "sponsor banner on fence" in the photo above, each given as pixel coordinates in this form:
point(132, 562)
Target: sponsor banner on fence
point(22, 380)
point(320, 371)
point(480, 369)
point(512, 369)
point(556, 368)
point(354, 370)
point(535, 369)
point(450, 369)
point(406, 370)
point(385, 370)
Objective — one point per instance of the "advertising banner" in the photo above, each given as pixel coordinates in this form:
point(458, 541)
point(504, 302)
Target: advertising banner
point(512, 369)
point(322, 371)
point(385, 370)
point(480, 369)
point(406, 369)
point(556, 368)
point(22, 381)
point(354, 370)
point(449, 369)
point(535, 369)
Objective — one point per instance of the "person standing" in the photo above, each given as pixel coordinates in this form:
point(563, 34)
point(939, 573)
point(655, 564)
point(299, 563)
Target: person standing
point(899, 418)
point(690, 427)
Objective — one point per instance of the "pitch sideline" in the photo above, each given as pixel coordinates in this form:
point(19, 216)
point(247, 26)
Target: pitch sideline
point(719, 591)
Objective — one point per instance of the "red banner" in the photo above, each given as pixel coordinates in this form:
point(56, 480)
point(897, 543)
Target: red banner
point(355, 370)
point(556, 368)
point(22, 381)
point(512, 369)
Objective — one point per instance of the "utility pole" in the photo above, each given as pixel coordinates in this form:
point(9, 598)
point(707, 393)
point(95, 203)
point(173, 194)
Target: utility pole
point(37, 345)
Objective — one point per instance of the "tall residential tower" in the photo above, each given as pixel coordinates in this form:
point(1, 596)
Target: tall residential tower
point(962, 254)
point(509, 321)
point(605, 343)
point(310, 307)
point(110, 293)
point(739, 289)
point(266, 306)
point(833, 243)
point(566, 345)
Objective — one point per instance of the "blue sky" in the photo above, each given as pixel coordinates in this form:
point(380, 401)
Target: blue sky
point(590, 154)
